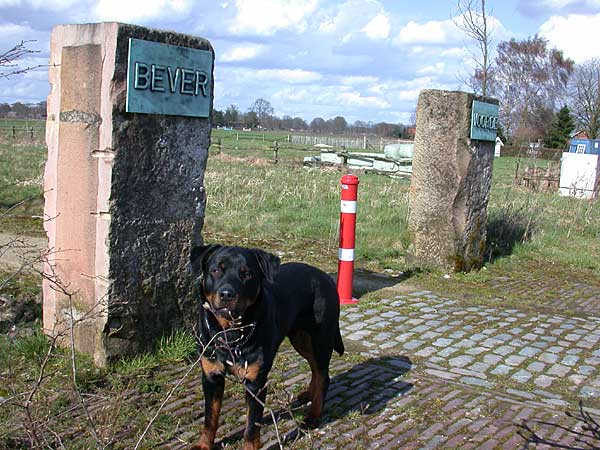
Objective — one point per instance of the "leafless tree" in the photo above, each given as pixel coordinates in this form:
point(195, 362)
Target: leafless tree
point(472, 19)
point(9, 60)
point(530, 80)
point(585, 96)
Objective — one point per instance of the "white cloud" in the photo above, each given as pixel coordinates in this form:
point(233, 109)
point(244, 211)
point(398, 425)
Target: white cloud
point(241, 53)
point(140, 10)
point(289, 75)
point(433, 32)
point(432, 69)
point(265, 17)
point(378, 27)
point(355, 99)
point(358, 80)
point(38, 4)
point(561, 5)
point(576, 35)
point(454, 52)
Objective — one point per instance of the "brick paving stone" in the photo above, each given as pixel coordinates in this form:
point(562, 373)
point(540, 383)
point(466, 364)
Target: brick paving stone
point(427, 351)
point(442, 342)
point(586, 370)
point(536, 366)
point(430, 335)
point(544, 381)
point(479, 367)
point(475, 351)
point(457, 334)
point(490, 343)
point(518, 393)
point(478, 337)
point(521, 376)
point(502, 369)
point(514, 360)
point(477, 382)
point(381, 337)
point(570, 360)
point(460, 361)
point(588, 391)
point(504, 350)
point(559, 370)
point(529, 351)
point(549, 358)
point(492, 359)
point(447, 352)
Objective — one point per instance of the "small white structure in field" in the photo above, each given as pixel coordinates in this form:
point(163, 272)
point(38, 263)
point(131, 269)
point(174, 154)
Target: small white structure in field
point(579, 175)
point(498, 148)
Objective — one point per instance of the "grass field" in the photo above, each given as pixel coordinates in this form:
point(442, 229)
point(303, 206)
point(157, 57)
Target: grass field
point(285, 205)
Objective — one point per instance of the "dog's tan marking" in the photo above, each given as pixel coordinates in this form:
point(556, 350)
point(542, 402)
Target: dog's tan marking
point(254, 443)
point(247, 372)
point(212, 366)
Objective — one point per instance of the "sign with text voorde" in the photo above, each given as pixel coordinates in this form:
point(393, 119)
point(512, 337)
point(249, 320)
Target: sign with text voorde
point(484, 121)
point(168, 79)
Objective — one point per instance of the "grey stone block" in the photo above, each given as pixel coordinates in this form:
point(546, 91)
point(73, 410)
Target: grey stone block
point(514, 360)
point(529, 351)
point(549, 358)
point(536, 366)
point(544, 381)
point(559, 370)
point(521, 376)
point(460, 361)
point(461, 191)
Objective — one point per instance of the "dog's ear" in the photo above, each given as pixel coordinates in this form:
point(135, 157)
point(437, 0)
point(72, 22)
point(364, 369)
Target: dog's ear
point(268, 263)
point(199, 255)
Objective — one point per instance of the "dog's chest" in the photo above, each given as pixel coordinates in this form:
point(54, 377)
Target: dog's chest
point(240, 369)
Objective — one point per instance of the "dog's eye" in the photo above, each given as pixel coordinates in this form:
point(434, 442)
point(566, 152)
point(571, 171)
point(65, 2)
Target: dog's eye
point(246, 274)
point(216, 271)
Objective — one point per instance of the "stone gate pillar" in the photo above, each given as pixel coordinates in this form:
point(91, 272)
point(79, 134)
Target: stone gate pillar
point(451, 178)
point(128, 132)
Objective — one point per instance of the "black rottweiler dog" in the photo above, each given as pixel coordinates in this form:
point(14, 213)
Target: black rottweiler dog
point(250, 304)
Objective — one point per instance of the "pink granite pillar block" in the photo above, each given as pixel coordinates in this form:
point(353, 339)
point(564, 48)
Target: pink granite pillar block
point(124, 197)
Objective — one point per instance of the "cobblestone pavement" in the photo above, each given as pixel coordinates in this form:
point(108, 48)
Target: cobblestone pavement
point(424, 371)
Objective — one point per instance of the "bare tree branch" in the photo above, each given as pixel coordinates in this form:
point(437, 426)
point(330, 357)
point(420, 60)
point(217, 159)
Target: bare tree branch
point(9, 59)
point(472, 20)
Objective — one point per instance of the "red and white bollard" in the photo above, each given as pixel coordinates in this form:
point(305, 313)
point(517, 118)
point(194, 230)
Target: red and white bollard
point(347, 233)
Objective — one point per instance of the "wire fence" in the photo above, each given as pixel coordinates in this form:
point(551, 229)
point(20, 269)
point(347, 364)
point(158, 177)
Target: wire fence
point(22, 134)
point(375, 143)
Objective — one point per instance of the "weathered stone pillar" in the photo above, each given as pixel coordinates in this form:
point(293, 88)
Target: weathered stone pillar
point(124, 195)
point(451, 180)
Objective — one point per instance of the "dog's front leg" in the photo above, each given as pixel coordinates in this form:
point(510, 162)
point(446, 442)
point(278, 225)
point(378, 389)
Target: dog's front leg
point(213, 386)
point(256, 393)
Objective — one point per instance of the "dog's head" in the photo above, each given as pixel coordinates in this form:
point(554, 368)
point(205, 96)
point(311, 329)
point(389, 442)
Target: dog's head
point(232, 278)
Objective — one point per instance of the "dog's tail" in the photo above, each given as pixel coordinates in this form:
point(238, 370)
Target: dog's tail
point(338, 344)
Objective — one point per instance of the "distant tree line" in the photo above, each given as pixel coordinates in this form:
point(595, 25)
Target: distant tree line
point(261, 114)
point(20, 110)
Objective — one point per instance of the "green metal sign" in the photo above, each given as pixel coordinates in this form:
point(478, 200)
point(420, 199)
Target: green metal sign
point(168, 79)
point(484, 121)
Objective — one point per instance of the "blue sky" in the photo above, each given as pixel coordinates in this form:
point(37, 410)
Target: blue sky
point(362, 59)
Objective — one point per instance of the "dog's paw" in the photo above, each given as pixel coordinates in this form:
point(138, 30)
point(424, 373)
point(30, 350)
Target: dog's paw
point(304, 397)
point(200, 446)
point(311, 423)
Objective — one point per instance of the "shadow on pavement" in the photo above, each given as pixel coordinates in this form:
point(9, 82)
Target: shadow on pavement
point(367, 388)
point(366, 281)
